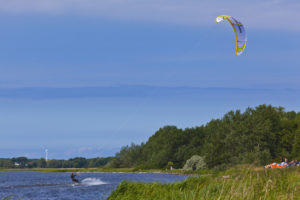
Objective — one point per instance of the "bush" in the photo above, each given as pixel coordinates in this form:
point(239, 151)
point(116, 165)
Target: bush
point(195, 163)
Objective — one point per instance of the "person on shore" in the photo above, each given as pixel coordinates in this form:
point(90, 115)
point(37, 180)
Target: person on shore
point(292, 163)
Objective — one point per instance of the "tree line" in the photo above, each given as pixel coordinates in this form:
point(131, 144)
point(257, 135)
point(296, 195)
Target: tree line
point(78, 162)
point(258, 135)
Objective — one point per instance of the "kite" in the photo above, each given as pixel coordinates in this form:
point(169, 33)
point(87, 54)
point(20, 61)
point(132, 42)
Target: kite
point(240, 33)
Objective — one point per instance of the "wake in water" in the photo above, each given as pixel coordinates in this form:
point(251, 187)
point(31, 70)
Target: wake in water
point(92, 181)
point(85, 182)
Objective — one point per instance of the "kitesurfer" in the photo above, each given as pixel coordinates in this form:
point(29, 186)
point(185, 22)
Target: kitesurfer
point(73, 178)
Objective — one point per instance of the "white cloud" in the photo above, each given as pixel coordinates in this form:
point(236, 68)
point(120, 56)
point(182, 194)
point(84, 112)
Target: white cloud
point(278, 14)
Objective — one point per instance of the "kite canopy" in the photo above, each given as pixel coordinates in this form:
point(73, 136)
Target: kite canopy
point(239, 30)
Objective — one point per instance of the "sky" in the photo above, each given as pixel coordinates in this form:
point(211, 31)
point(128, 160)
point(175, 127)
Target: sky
point(86, 77)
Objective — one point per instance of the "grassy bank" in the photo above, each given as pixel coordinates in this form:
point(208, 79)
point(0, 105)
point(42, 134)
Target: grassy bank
point(242, 182)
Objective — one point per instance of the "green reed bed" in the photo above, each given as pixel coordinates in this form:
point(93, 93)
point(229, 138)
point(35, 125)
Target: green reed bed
point(242, 182)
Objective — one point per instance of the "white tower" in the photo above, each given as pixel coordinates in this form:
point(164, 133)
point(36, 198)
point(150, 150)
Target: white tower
point(46, 154)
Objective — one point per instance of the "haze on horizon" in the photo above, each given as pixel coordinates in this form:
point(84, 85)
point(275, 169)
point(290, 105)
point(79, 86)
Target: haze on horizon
point(84, 78)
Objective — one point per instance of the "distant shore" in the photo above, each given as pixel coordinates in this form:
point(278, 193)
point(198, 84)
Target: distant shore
point(70, 169)
point(110, 170)
point(121, 170)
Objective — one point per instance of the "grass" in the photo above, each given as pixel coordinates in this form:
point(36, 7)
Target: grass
point(242, 182)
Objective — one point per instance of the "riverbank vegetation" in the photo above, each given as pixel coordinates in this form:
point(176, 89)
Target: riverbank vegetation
point(78, 162)
point(241, 182)
point(72, 169)
point(258, 135)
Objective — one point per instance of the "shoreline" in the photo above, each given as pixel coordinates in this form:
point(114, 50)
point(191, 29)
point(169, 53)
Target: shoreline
point(108, 170)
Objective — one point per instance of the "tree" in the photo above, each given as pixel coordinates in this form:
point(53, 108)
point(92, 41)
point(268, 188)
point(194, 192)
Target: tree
point(79, 162)
point(296, 146)
point(170, 165)
point(20, 161)
point(6, 163)
point(42, 163)
point(258, 135)
point(54, 163)
point(195, 163)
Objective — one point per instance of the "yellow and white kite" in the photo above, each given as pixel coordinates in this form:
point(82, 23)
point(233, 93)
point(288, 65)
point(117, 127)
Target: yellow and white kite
point(239, 30)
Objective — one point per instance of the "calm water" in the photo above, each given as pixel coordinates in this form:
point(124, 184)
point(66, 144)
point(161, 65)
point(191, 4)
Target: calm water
point(53, 186)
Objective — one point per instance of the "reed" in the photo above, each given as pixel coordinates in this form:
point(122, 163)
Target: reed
point(242, 182)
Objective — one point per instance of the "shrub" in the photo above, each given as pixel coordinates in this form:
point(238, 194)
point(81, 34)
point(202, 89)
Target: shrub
point(195, 163)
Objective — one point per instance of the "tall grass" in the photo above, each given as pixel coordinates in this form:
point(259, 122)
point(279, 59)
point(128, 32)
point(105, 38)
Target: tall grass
point(242, 182)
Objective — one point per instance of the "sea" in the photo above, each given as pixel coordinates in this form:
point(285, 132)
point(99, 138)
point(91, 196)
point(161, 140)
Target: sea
point(29, 185)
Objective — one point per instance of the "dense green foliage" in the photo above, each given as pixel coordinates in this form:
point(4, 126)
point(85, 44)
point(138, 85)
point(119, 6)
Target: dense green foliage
point(78, 162)
point(242, 182)
point(195, 163)
point(259, 135)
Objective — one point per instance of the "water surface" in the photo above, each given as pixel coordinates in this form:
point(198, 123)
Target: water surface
point(53, 186)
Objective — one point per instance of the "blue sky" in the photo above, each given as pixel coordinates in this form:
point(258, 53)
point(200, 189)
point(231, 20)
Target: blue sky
point(83, 78)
